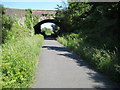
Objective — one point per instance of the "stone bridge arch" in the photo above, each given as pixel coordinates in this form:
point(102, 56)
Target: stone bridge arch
point(37, 27)
point(20, 14)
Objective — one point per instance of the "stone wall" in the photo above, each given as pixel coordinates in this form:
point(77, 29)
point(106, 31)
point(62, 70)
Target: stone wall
point(20, 14)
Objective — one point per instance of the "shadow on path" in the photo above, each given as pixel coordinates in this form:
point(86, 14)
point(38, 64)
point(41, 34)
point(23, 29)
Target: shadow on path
point(55, 48)
point(95, 77)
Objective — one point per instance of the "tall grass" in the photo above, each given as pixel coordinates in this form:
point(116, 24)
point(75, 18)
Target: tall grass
point(19, 61)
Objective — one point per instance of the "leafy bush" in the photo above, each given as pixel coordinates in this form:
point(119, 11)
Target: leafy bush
point(16, 32)
point(98, 22)
point(19, 61)
point(35, 20)
point(97, 34)
point(7, 23)
point(28, 19)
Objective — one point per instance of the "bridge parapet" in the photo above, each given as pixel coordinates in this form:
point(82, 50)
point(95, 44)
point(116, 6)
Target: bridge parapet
point(20, 14)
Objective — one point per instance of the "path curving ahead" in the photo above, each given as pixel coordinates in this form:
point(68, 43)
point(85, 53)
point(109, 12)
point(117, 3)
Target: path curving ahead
point(59, 68)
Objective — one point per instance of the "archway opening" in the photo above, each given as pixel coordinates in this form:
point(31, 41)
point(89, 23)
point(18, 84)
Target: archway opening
point(49, 29)
point(54, 25)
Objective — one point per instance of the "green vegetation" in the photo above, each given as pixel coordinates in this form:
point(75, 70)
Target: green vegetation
point(19, 61)
point(20, 49)
point(55, 28)
point(30, 19)
point(92, 31)
point(35, 20)
point(47, 31)
point(47, 14)
point(16, 32)
point(6, 23)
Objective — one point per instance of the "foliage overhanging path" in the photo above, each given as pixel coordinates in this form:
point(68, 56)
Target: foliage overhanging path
point(59, 68)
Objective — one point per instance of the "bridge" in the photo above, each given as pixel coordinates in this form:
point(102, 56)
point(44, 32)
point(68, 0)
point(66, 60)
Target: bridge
point(44, 16)
point(20, 14)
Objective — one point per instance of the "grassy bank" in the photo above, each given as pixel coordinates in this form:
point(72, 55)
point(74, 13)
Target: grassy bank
point(20, 49)
point(102, 60)
point(19, 60)
point(92, 31)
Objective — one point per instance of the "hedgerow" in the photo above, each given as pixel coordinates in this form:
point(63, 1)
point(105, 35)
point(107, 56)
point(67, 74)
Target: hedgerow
point(92, 31)
point(16, 32)
point(102, 60)
point(19, 61)
point(20, 49)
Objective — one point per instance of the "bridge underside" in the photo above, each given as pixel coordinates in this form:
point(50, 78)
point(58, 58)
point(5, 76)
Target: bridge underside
point(37, 27)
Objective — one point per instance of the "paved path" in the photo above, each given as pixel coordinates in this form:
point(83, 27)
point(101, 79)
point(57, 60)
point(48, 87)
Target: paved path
point(59, 68)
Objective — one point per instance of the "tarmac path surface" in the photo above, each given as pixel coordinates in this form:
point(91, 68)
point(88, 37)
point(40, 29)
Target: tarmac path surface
point(58, 67)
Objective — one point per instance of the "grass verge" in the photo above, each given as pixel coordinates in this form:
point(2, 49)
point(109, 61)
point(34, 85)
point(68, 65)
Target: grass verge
point(19, 61)
point(101, 60)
